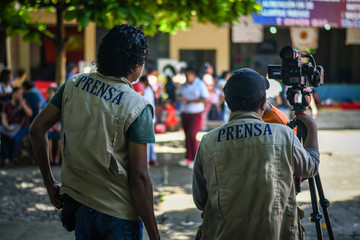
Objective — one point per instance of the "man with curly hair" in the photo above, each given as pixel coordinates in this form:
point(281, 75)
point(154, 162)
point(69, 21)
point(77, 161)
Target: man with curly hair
point(105, 129)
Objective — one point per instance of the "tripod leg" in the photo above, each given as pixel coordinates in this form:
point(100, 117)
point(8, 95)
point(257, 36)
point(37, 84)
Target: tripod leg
point(324, 204)
point(315, 216)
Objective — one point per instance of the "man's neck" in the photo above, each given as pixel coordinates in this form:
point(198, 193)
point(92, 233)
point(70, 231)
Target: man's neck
point(268, 107)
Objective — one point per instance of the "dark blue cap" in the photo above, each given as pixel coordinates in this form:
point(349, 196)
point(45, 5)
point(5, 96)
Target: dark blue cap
point(246, 84)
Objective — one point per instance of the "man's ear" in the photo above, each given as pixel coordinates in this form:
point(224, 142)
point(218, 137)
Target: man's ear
point(263, 102)
point(261, 109)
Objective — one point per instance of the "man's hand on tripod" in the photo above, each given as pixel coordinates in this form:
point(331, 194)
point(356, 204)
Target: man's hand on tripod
point(311, 140)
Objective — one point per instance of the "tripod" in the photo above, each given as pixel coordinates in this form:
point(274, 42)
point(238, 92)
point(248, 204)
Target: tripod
point(299, 108)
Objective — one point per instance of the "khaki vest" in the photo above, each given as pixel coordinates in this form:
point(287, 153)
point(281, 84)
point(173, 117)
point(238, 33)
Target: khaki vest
point(96, 113)
point(249, 178)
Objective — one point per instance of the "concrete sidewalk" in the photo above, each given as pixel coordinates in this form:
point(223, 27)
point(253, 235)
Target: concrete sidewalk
point(338, 119)
point(37, 231)
point(34, 230)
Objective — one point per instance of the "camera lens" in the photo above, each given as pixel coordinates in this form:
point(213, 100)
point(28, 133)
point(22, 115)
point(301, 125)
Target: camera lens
point(287, 53)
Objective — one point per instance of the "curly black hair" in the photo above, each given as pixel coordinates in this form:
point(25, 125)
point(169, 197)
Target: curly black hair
point(121, 51)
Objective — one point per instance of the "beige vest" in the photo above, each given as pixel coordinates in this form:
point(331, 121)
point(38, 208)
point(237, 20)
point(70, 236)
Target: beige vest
point(249, 178)
point(96, 113)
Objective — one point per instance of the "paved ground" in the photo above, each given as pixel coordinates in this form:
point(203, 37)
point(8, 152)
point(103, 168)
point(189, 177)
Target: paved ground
point(176, 213)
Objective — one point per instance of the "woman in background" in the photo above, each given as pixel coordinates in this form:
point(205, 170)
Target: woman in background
point(15, 112)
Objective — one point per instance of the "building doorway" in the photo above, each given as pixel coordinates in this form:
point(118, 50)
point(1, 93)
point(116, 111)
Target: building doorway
point(197, 58)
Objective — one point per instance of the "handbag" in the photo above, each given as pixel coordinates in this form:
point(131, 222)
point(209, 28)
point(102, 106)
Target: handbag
point(10, 133)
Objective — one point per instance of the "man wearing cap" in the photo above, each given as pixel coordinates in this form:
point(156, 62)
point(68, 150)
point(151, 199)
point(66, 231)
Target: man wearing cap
point(243, 170)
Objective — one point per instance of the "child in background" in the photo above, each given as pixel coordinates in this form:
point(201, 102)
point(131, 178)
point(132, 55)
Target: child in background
point(171, 120)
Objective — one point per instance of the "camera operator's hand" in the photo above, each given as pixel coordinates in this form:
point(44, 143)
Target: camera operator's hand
point(311, 140)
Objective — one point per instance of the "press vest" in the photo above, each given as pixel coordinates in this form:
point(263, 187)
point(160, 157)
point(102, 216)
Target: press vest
point(249, 179)
point(96, 113)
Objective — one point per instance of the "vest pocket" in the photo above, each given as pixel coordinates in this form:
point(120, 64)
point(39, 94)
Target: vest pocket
point(113, 168)
point(116, 168)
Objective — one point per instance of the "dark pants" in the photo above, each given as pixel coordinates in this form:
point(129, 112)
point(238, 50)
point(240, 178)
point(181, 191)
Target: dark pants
point(191, 124)
point(9, 146)
point(93, 225)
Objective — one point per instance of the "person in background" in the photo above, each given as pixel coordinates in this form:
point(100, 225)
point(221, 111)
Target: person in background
point(180, 77)
point(158, 88)
point(225, 109)
point(71, 70)
point(316, 98)
point(171, 120)
point(273, 93)
point(223, 79)
point(21, 77)
point(152, 78)
point(36, 90)
point(243, 178)
point(170, 89)
point(54, 135)
point(15, 114)
point(207, 75)
point(105, 171)
point(313, 106)
point(215, 100)
point(32, 98)
point(192, 96)
point(5, 86)
point(273, 99)
point(148, 94)
point(139, 87)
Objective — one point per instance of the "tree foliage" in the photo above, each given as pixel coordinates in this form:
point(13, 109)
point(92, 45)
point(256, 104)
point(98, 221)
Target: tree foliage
point(171, 16)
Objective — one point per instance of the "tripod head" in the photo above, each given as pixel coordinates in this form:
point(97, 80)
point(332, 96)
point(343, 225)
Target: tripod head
point(299, 99)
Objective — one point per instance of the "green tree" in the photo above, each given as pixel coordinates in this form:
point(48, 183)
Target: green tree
point(17, 16)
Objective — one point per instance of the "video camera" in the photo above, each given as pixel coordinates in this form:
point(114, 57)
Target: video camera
point(296, 73)
point(300, 76)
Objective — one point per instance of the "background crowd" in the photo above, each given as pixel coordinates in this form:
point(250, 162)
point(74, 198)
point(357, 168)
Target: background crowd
point(21, 101)
point(189, 98)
